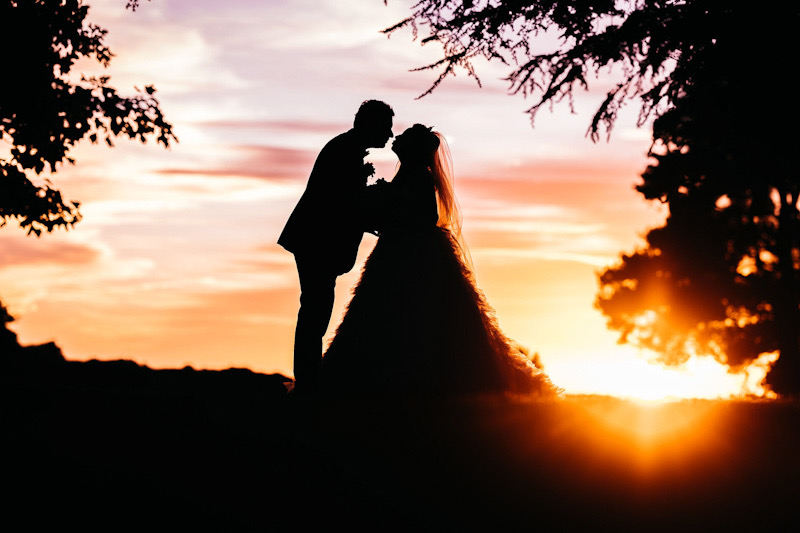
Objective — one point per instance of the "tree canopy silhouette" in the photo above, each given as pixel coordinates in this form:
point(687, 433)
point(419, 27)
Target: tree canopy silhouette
point(651, 48)
point(720, 278)
point(45, 109)
point(650, 43)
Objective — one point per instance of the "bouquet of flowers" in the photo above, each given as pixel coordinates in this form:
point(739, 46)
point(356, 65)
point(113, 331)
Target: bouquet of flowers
point(368, 170)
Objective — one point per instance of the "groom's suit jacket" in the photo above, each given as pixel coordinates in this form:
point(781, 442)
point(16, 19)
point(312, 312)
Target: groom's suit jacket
point(326, 223)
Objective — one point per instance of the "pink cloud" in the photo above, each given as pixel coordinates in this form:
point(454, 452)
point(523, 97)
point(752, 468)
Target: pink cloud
point(262, 162)
point(279, 126)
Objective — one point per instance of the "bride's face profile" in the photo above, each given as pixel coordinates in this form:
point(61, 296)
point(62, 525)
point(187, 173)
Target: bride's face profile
point(402, 144)
point(415, 143)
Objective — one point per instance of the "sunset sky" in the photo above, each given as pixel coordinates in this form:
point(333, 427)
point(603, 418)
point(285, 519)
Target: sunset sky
point(175, 262)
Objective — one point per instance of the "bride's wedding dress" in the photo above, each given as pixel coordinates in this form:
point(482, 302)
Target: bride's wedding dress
point(417, 323)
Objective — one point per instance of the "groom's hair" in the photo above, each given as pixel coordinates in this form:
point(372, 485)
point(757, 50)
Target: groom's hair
point(372, 112)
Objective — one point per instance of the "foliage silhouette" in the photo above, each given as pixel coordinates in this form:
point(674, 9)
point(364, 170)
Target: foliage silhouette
point(45, 111)
point(721, 276)
point(653, 49)
point(8, 339)
point(133, 5)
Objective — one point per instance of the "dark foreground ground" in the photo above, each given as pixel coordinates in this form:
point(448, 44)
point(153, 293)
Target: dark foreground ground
point(115, 446)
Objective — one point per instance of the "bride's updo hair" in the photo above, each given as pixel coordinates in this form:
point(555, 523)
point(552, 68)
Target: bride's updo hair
point(424, 142)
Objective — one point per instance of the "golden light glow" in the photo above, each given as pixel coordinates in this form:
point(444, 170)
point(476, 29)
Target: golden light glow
point(651, 440)
point(634, 378)
point(648, 422)
point(756, 373)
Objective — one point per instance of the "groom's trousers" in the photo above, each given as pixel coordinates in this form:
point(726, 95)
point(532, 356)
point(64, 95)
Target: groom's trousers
point(317, 283)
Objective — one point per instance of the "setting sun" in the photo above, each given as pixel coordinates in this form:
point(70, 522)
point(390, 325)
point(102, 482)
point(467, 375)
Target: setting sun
point(635, 378)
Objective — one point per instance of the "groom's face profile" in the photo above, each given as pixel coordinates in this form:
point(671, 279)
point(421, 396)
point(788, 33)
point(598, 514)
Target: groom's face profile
point(380, 132)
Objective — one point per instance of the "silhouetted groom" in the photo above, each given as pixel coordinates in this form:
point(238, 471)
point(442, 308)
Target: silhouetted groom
point(325, 230)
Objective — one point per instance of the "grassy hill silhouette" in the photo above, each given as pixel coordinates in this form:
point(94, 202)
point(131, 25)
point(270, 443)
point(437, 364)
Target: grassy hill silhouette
point(116, 446)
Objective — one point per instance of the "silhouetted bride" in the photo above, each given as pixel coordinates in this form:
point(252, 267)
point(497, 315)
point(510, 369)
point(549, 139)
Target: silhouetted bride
point(416, 322)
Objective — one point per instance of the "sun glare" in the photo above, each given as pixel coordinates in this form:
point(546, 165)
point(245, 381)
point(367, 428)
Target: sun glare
point(634, 378)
